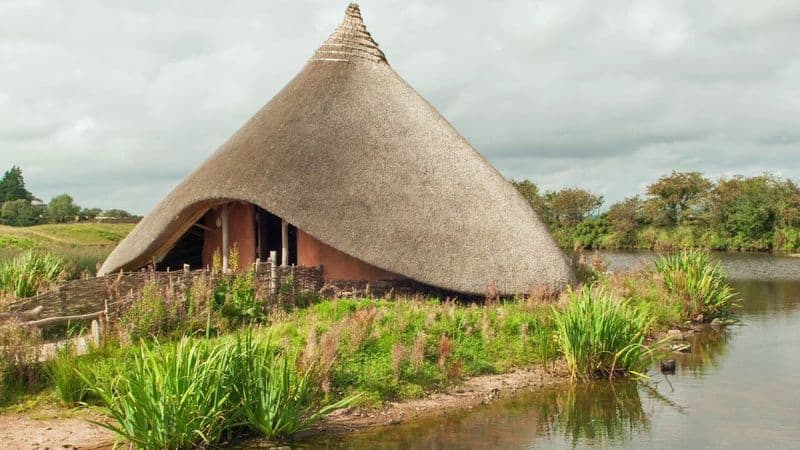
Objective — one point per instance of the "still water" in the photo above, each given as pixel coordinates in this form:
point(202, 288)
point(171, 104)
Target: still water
point(739, 388)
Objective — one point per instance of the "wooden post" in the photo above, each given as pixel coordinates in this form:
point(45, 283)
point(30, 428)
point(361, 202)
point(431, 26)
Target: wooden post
point(273, 272)
point(225, 239)
point(284, 243)
point(96, 332)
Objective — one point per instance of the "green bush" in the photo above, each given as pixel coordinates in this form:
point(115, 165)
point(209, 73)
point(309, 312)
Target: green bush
point(700, 283)
point(235, 296)
point(148, 316)
point(601, 336)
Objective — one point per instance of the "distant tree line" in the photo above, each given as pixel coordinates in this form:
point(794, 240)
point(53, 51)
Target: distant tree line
point(20, 208)
point(679, 210)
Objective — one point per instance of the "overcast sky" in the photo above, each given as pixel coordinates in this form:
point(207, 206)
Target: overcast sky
point(115, 102)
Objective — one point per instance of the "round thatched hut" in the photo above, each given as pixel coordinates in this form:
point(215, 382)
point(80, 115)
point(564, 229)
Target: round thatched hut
point(348, 168)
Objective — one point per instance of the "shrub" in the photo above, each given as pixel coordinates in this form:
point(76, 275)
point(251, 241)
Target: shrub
point(700, 283)
point(147, 316)
point(235, 295)
point(601, 336)
point(29, 273)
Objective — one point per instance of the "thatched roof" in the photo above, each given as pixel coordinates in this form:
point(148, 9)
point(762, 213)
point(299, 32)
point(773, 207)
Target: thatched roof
point(351, 154)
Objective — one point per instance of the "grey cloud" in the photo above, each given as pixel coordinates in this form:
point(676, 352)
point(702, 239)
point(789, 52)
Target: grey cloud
point(117, 101)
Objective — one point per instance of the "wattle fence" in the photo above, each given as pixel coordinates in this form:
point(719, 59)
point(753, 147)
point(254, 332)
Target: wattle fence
point(104, 294)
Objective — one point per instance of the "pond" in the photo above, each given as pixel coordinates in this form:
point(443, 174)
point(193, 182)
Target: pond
point(738, 388)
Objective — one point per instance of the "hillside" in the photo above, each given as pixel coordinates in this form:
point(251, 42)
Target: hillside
point(84, 245)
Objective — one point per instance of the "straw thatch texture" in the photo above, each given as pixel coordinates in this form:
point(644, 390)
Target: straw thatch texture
point(351, 154)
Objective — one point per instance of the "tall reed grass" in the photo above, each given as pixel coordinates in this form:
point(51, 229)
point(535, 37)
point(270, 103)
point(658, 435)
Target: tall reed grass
point(173, 396)
point(701, 284)
point(272, 397)
point(601, 336)
point(191, 393)
point(29, 273)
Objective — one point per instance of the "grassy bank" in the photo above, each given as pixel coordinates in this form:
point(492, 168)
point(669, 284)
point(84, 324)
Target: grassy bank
point(597, 234)
point(270, 372)
point(82, 245)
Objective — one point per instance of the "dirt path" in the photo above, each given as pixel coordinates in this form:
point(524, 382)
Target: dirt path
point(48, 428)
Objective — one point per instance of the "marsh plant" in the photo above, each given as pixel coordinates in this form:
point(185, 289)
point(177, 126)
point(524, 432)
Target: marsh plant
point(700, 283)
point(29, 273)
point(194, 392)
point(173, 396)
point(601, 336)
point(273, 398)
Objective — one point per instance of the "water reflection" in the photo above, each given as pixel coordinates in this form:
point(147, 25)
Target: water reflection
point(597, 414)
point(707, 351)
point(600, 413)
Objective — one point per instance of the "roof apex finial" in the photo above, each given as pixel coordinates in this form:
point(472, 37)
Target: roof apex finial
point(350, 40)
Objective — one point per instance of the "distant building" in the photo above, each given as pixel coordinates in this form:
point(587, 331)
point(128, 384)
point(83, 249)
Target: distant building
point(348, 168)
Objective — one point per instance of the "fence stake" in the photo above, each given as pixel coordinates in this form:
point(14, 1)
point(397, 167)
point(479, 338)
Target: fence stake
point(273, 272)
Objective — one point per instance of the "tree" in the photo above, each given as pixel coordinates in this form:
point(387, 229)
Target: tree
point(20, 213)
point(746, 209)
point(62, 209)
point(571, 205)
point(789, 210)
point(12, 186)
point(676, 194)
point(90, 213)
point(530, 192)
point(116, 213)
point(625, 218)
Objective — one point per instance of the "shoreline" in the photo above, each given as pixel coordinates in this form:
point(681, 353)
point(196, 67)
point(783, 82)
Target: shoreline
point(49, 426)
point(52, 426)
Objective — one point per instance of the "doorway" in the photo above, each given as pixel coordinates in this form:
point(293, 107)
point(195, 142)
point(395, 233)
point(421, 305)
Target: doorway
point(269, 237)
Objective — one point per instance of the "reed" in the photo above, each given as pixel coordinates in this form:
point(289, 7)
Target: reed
point(272, 398)
point(64, 373)
point(601, 336)
point(700, 283)
point(173, 396)
point(29, 273)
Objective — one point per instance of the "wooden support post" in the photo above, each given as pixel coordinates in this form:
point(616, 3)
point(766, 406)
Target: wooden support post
point(273, 272)
point(225, 239)
point(96, 332)
point(284, 243)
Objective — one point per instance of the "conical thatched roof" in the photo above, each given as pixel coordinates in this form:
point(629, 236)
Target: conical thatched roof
point(351, 154)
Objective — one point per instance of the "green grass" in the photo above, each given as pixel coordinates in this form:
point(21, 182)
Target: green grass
point(601, 336)
point(82, 245)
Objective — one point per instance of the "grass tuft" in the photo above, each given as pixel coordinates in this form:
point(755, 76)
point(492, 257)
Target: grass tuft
point(601, 336)
point(700, 283)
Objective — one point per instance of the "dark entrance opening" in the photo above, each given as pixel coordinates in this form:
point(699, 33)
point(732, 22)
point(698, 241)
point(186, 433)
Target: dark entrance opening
point(188, 250)
point(268, 237)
